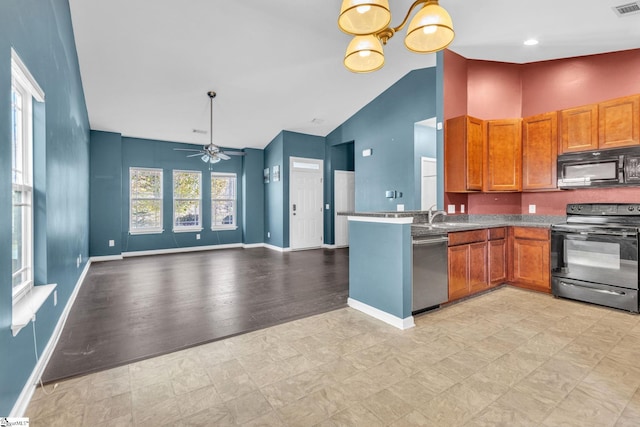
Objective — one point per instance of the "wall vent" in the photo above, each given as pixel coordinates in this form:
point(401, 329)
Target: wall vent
point(627, 9)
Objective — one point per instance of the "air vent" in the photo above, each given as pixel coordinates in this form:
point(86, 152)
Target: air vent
point(200, 131)
point(627, 9)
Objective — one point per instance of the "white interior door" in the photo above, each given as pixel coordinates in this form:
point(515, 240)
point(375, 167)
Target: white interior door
point(344, 201)
point(429, 183)
point(305, 203)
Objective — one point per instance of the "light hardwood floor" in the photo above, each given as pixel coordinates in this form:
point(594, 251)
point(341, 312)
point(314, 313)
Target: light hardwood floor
point(507, 358)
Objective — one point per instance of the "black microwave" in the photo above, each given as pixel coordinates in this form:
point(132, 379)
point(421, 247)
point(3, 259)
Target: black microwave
point(604, 168)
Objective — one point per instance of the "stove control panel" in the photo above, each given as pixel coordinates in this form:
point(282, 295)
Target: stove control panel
point(604, 209)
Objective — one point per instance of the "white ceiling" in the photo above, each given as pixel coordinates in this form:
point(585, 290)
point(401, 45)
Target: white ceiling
point(147, 65)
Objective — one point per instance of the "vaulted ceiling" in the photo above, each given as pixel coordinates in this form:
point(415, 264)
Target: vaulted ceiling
point(147, 65)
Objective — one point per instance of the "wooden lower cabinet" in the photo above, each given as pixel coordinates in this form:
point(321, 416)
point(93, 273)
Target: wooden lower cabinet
point(467, 263)
point(480, 259)
point(531, 258)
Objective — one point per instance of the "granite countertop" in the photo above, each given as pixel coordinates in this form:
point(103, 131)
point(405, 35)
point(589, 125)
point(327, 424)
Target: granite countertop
point(463, 222)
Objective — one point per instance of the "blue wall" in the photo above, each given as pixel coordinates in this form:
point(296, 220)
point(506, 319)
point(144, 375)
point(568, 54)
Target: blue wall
point(41, 33)
point(253, 190)
point(386, 125)
point(106, 189)
point(274, 194)
point(425, 146)
point(161, 154)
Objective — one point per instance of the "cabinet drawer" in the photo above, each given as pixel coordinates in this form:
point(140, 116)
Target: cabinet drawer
point(497, 233)
point(531, 233)
point(464, 237)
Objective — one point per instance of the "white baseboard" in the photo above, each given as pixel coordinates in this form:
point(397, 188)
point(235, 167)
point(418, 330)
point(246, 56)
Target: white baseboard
point(252, 245)
point(392, 320)
point(326, 246)
point(180, 250)
point(277, 248)
point(106, 258)
point(20, 407)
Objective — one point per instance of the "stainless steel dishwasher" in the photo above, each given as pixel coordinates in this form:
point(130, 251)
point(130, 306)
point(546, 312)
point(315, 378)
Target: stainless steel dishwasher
point(430, 285)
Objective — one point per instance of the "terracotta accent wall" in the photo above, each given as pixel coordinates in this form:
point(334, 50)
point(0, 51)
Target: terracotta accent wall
point(555, 203)
point(572, 82)
point(495, 203)
point(494, 90)
point(455, 85)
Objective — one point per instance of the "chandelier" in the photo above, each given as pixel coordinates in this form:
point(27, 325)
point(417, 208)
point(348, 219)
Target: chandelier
point(368, 21)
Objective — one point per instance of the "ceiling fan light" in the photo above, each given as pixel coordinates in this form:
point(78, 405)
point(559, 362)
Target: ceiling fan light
point(361, 17)
point(430, 30)
point(205, 158)
point(213, 160)
point(364, 54)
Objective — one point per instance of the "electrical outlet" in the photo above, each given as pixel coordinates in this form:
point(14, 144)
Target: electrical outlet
point(532, 208)
point(55, 298)
point(327, 207)
point(112, 243)
point(80, 258)
point(400, 207)
point(198, 236)
point(268, 234)
point(451, 209)
point(78, 262)
point(461, 208)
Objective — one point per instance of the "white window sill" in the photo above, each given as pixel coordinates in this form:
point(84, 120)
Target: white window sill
point(226, 227)
point(26, 308)
point(154, 231)
point(188, 230)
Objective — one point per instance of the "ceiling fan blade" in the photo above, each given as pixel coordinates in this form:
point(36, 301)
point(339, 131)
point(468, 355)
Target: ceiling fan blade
point(186, 149)
point(233, 153)
point(197, 154)
point(222, 155)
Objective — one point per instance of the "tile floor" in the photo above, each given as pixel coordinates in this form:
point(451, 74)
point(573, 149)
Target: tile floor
point(506, 358)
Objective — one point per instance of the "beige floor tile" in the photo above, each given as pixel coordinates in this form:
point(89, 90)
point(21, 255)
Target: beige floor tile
point(218, 415)
point(500, 415)
point(269, 420)
point(189, 381)
point(109, 388)
point(413, 419)
point(580, 409)
point(108, 409)
point(304, 412)
point(442, 410)
point(71, 401)
point(527, 404)
point(282, 393)
point(356, 415)
point(152, 395)
point(232, 388)
point(387, 406)
point(248, 407)
point(198, 400)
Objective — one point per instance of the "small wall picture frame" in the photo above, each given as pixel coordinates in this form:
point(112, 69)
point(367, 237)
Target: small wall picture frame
point(276, 173)
point(265, 175)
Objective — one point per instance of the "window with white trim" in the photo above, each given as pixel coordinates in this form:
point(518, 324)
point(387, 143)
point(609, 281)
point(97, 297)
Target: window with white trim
point(223, 200)
point(187, 200)
point(145, 200)
point(24, 92)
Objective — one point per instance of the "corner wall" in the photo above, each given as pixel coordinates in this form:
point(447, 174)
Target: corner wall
point(41, 33)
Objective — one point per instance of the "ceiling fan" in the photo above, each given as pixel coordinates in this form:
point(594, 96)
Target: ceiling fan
point(211, 153)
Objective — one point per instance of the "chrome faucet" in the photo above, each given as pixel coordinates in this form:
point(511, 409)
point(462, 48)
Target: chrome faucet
point(432, 213)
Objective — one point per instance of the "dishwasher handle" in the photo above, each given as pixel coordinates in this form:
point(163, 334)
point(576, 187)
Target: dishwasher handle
point(430, 240)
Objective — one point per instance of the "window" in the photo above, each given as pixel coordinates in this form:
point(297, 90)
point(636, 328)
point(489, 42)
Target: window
point(187, 198)
point(223, 200)
point(145, 193)
point(24, 92)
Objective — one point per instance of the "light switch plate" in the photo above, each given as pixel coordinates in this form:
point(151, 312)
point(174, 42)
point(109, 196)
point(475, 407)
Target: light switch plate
point(461, 208)
point(451, 209)
point(112, 243)
point(198, 236)
point(327, 207)
point(532, 208)
point(400, 207)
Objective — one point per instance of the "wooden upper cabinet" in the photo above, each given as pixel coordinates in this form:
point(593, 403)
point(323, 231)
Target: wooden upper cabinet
point(463, 146)
point(540, 152)
point(619, 122)
point(503, 155)
point(579, 129)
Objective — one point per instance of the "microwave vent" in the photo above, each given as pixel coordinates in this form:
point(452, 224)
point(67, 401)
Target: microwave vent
point(627, 9)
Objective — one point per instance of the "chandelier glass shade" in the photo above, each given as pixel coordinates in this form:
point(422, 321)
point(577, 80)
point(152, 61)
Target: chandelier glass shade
point(430, 30)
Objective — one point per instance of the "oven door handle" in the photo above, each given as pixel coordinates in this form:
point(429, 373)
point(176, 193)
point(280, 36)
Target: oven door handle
point(601, 291)
point(582, 233)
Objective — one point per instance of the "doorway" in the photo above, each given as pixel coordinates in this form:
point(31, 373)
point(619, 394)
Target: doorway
point(344, 201)
point(428, 183)
point(306, 223)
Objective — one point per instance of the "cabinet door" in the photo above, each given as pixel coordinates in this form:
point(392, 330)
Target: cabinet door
point(478, 267)
point(579, 129)
point(458, 271)
point(497, 261)
point(619, 122)
point(531, 264)
point(463, 154)
point(540, 152)
point(503, 155)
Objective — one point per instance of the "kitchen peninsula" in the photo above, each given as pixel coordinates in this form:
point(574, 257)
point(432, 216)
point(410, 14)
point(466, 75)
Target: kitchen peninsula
point(380, 254)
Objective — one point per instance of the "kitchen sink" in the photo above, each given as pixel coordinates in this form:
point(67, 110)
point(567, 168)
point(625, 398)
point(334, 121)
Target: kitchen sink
point(453, 224)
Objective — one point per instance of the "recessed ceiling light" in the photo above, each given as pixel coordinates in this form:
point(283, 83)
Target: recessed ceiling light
point(530, 42)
